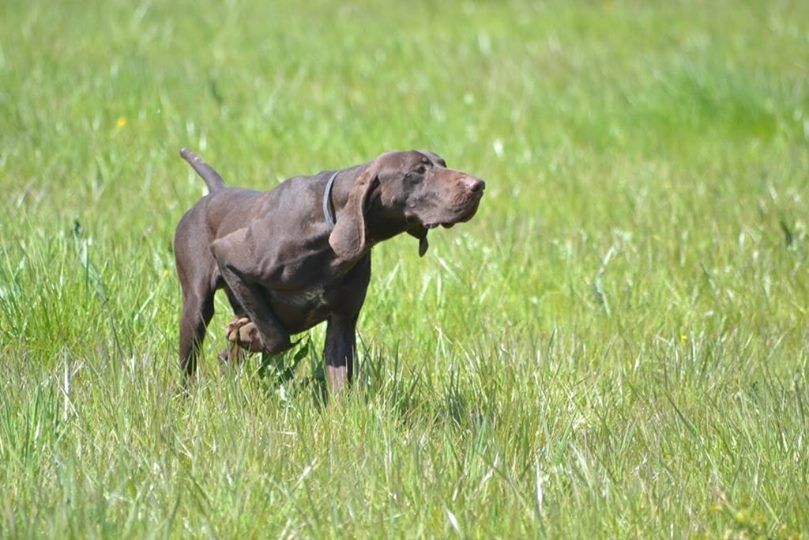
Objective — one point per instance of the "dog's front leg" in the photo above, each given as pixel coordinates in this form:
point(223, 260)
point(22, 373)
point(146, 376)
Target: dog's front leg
point(243, 279)
point(339, 352)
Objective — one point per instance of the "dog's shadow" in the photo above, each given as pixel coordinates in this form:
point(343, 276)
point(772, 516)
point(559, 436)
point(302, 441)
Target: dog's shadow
point(380, 379)
point(279, 373)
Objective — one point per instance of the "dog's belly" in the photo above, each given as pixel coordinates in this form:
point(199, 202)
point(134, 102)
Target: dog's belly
point(301, 310)
point(313, 297)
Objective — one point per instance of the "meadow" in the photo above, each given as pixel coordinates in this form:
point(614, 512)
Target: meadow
point(616, 346)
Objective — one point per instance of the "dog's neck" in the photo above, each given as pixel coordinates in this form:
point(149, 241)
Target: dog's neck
point(341, 187)
point(328, 211)
point(380, 223)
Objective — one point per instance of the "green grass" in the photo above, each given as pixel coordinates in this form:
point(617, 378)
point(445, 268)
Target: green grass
point(616, 346)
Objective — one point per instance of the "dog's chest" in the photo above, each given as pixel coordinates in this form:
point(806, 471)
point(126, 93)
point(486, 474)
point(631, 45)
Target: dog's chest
point(304, 308)
point(313, 297)
point(316, 296)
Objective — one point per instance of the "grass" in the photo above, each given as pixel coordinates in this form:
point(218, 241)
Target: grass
point(616, 346)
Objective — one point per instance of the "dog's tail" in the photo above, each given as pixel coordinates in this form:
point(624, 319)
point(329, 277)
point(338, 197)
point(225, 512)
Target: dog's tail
point(211, 177)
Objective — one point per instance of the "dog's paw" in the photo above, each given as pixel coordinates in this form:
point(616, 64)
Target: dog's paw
point(245, 333)
point(232, 328)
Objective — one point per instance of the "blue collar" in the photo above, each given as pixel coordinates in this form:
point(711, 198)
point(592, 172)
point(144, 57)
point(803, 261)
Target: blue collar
point(327, 205)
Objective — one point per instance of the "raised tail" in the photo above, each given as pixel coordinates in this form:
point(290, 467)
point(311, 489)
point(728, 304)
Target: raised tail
point(211, 177)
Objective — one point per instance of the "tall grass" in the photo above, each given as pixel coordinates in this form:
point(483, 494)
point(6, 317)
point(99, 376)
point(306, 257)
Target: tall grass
point(616, 345)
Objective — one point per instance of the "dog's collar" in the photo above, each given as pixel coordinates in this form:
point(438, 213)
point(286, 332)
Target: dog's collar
point(328, 213)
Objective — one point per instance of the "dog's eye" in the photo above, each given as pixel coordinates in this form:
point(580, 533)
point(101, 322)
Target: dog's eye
point(421, 169)
point(414, 177)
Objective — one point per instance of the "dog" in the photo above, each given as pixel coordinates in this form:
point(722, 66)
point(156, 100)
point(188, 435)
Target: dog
point(300, 254)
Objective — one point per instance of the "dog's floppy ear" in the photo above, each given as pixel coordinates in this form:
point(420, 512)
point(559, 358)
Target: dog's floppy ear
point(348, 237)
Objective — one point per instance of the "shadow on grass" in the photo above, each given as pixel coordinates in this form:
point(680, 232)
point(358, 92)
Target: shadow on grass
point(381, 381)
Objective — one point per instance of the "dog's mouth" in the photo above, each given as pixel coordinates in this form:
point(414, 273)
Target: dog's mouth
point(460, 215)
point(429, 226)
point(421, 226)
point(447, 217)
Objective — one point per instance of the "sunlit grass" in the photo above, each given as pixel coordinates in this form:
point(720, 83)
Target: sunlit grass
point(616, 345)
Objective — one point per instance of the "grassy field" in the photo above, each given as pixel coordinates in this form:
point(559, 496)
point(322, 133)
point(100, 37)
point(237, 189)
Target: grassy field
point(616, 346)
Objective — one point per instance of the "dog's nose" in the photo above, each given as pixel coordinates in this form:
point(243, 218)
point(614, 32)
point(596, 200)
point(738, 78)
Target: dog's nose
point(473, 184)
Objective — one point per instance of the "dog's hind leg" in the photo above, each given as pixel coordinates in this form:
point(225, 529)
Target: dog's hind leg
point(198, 278)
point(197, 313)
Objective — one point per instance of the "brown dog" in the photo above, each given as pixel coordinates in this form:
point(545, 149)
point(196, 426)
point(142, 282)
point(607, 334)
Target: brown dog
point(300, 254)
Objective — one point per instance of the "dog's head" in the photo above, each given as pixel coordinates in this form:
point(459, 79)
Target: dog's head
point(411, 191)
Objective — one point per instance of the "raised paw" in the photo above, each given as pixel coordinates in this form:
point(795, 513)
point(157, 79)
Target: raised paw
point(244, 332)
